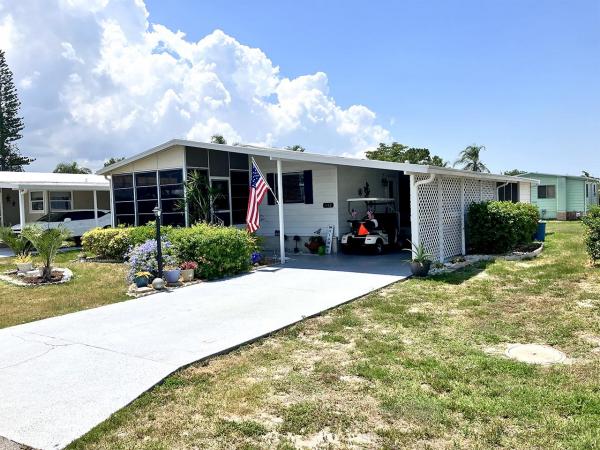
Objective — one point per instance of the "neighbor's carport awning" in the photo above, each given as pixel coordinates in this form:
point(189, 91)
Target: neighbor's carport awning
point(53, 181)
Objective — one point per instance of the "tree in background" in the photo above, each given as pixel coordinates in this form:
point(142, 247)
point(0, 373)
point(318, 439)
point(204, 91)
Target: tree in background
point(72, 167)
point(514, 172)
point(396, 152)
point(295, 148)
point(11, 124)
point(470, 159)
point(112, 161)
point(217, 139)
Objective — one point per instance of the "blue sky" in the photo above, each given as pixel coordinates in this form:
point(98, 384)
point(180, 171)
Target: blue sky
point(521, 77)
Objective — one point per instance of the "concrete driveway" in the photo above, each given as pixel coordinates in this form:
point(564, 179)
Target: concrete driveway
point(61, 376)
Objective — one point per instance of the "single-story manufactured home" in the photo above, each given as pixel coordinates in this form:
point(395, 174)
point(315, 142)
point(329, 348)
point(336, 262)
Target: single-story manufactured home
point(26, 197)
point(563, 197)
point(430, 202)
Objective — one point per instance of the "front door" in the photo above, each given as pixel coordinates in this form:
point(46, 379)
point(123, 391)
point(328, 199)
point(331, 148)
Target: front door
point(222, 208)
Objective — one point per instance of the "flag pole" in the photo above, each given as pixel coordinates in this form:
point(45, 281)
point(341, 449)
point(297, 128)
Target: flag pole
point(263, 177)
point(280, 206)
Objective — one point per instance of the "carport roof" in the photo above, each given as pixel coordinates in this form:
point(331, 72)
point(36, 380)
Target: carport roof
point(51, 181)
point(278, 153)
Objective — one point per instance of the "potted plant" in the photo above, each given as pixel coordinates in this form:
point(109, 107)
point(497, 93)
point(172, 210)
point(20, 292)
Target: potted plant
point(24, 263)
point(187, 270)
point(421, 261)
point(314, 242)
point(172, 274)
point(142, 279)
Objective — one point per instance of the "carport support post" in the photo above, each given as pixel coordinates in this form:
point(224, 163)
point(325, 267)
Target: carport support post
point(280, 204)
point(96, 207)
point(462, 216)
point(1, 209)
point(22, 208)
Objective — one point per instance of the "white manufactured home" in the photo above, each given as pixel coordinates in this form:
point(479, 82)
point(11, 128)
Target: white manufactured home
point(430, 202)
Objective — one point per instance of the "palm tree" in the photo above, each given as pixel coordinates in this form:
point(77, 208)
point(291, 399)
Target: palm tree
point(217, 139)
point(470, 159)
point(46, 242)
point(295, 148)
point(71, 167)
point(16, 242)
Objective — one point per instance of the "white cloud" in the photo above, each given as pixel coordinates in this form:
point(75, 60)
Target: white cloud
point(97, 80)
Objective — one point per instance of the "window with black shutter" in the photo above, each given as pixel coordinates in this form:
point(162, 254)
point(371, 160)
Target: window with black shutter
point(297, 187)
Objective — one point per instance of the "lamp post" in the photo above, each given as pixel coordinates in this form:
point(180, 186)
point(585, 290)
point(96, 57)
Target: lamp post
point(157, 212)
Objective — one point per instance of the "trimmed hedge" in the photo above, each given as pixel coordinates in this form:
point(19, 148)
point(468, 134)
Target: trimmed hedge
point(498, 227)
point(113, 243)
point(219, 251)
point(591, 221)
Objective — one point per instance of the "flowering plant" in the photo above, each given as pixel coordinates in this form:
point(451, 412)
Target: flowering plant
point(143, 274)
point(256, 257)
point(143, 258)
point(188, 265)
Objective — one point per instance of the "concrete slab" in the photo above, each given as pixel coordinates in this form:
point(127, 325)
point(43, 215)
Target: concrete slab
point(62, 376)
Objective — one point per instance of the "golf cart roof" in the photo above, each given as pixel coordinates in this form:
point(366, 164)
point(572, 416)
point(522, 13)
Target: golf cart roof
point(371, 199)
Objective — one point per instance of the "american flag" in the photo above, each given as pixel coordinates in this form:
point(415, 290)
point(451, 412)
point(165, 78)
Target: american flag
point(258, 189)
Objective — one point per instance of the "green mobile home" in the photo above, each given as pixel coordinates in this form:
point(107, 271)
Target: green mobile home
point(563, 197)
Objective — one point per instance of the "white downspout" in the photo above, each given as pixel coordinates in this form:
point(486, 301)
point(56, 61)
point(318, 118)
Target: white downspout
point(22, 208)
point(280, 204)
point(498, 190)
point(414, 207)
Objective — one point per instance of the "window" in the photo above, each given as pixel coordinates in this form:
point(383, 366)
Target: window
point(293, 187)
point(36, 201)
point(548, 191)
point(587, 191)
point(124, 199)
point(171, 197)
point(61, 201)
point(240, 188)
point(508, 193)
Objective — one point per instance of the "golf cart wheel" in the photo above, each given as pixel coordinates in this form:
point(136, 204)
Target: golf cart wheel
point(378, 247)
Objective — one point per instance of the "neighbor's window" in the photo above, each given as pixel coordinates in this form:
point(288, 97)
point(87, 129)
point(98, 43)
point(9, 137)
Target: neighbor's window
point(61, 201)
point(548, 191)
point(293, 187)
point(36, 201)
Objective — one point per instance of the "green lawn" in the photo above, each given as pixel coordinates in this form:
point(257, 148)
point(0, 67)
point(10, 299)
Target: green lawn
point(416, 365)
point(93, 285)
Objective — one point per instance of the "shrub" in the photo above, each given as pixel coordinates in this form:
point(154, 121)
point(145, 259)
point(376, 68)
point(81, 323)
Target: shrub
point(499, 227)
point(591, 221)
point(143, 257)
point(46, 242)
point(107, 243)
point(16, 242)
point(223, 251)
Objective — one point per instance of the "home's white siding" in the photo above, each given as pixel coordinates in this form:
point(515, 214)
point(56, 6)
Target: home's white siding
point(351, 179)
point(301, 219)
point(525, 192)
point(171, 158)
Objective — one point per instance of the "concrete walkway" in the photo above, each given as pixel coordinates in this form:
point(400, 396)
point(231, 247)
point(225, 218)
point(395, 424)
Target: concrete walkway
point(61, 376)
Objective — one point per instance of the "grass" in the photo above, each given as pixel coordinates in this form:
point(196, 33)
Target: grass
point(416, 365)
point(94, 284)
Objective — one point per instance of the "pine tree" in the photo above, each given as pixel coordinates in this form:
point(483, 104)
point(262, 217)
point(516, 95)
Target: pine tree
point(11, 124)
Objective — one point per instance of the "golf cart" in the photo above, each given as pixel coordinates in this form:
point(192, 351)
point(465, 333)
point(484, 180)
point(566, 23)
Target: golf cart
point(377, 230)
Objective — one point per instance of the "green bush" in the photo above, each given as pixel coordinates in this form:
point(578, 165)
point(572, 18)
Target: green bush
point(591, 221)
point(220, 251)
point(498, 227)
point(113, 243)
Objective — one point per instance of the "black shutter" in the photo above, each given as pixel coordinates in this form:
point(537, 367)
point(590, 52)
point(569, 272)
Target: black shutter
point(308, 187)
point(271, 182)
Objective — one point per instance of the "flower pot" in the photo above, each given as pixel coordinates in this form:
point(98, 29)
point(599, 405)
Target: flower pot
point(172, 276)
point(187, 275)
point(24, 267)
point(141, 282)
point(419, 269)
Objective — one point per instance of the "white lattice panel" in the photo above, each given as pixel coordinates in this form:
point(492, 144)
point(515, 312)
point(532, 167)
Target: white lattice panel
point(472, 191)
point(451, 216)
point(429, 230)
point(488, 191)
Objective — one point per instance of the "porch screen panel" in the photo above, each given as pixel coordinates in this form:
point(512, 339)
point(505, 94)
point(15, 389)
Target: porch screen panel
point(171, 197)
point(429, 231)
point(146, 189)
point(240, 188)
point(124, 199)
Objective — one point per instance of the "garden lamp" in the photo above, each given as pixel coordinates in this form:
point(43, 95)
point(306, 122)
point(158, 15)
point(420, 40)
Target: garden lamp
point(157, 212)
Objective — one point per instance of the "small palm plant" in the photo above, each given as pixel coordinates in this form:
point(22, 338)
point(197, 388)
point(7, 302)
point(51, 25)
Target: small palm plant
point(16, 242)
point(470, 159)
point(421, 260)
point(46, 242)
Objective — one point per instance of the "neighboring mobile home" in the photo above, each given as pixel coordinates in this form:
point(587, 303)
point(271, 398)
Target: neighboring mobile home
point(563, 197)
point(26, 197)
point(430, 201)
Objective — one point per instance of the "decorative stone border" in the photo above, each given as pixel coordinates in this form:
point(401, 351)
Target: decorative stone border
point(472, 259)
point(135, 292)
point(67, 276)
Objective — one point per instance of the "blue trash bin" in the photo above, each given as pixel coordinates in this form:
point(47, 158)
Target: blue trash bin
point(540, 234)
